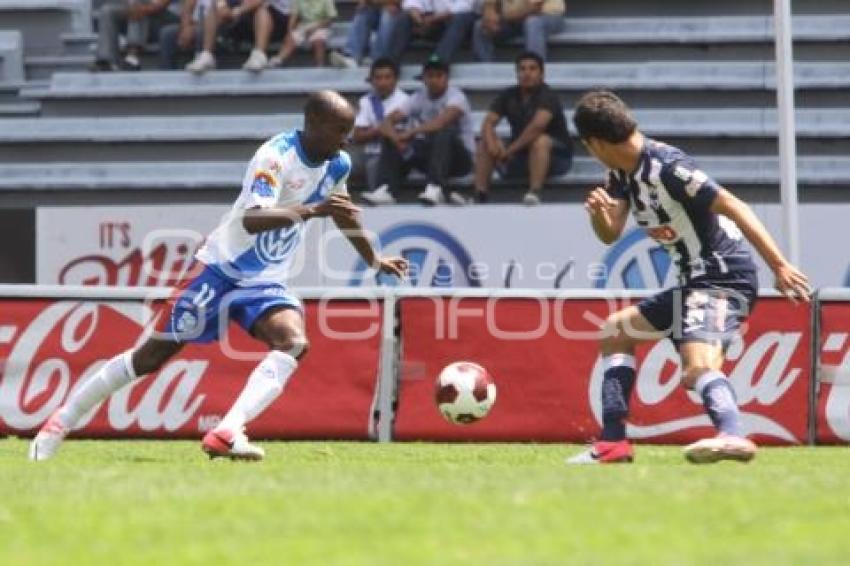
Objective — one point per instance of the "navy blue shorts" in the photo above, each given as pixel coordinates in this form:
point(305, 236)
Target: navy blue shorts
point(206, 301)
point(704, 310)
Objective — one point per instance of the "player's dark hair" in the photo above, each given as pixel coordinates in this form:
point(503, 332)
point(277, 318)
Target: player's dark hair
point(602, 115)
point(384, 63)
point(530, 56)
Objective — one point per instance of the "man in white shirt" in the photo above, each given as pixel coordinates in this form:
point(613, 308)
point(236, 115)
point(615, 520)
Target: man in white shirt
point(445, 22)
point(439, 140)
point(374, 107)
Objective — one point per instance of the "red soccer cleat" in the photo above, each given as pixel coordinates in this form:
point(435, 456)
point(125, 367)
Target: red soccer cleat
point(605, 452)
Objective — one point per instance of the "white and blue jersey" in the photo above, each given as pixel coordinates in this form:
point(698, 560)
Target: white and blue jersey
point(240, 276)
point(279, 175)
point(671, 200)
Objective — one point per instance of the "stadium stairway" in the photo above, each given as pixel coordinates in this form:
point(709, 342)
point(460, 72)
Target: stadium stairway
point(699, 74)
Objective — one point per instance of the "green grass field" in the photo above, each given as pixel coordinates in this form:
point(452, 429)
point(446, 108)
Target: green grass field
point(148, 503)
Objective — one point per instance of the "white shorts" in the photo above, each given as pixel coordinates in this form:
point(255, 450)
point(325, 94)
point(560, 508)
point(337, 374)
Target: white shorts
point(305, 35)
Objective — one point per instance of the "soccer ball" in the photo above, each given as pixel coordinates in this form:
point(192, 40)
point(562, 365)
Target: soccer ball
point(464, 392)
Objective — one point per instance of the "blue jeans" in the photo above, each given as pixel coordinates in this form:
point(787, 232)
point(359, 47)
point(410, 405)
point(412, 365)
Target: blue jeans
point(449, 36)
point(365, 20)
point(536, 29)
point(168, 48)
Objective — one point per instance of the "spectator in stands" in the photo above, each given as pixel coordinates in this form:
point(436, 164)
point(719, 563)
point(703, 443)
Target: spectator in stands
point(446, 22)
point(309, 26)
point(185, 36)
point(384, 99)
point(439, 140)
point(257, 20)
point(138, 16)
point(377, 16)
point(540, 143)
point(502, 20)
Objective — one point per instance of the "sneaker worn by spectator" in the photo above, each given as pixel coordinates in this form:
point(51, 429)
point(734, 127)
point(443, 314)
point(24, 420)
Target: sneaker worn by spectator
point(379, 196)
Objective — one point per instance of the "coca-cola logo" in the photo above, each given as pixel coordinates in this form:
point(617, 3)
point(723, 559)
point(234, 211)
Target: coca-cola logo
point(38, 374)
point(835, 379)
point(762, 374)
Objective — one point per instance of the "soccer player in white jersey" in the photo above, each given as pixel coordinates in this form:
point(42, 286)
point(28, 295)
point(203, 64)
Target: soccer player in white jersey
point(701, 225)
point(240, 274)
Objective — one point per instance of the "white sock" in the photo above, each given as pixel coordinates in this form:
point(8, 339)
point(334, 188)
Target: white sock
point(112, 376)
point(264, 385)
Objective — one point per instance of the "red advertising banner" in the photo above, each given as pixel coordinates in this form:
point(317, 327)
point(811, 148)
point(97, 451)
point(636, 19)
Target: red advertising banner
point(833, 401)
point(543, 357)
point(47, 346)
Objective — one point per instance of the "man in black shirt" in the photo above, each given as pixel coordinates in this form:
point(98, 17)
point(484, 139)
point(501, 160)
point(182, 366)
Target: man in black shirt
point(540, 143)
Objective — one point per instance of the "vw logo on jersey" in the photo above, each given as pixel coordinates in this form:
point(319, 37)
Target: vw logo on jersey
point(274, 246)
point(637, 262)
point(437, 259)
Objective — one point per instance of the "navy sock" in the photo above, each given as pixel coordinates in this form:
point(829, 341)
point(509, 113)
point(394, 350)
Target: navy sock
point(720, 402)
point(617, 384)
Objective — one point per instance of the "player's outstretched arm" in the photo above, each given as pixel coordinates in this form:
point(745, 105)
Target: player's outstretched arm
point(790, 281)
point(608, 215)
point(349, 224)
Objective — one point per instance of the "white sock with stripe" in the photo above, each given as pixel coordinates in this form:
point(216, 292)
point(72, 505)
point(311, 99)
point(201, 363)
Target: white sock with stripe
point(112, 376)
point(264, 385)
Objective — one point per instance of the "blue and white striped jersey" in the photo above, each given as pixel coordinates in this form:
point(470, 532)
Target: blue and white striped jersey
point(671, 200)
point(279, 175)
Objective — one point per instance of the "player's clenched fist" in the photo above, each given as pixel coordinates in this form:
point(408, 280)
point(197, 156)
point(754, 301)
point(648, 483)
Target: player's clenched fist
point(598, 201)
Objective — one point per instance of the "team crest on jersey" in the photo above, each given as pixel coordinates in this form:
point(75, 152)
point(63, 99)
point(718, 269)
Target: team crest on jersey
point(263, 184)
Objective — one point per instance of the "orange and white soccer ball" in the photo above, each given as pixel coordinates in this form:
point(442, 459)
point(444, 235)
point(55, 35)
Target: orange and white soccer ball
point(464, 392)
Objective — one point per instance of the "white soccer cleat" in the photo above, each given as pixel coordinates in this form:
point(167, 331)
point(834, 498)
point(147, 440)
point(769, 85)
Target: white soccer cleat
point(222, 443)
point(256, 62)
point(203, 62)
point(379, 196)
point(720, 447)
point(432, 195)
point(584, 457)
point(48, 440)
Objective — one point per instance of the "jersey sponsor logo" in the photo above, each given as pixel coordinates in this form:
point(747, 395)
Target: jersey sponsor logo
point(636, 262)
point(665, 234)
point(274, 246)
point(295, 184)
point(263, 184)
point(436, 257)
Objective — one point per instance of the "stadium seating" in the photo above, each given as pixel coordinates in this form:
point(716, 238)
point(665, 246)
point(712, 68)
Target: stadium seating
point(700, 75)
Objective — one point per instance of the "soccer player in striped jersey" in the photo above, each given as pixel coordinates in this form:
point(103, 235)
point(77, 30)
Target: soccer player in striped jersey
point(240, 274)
point(701, 225)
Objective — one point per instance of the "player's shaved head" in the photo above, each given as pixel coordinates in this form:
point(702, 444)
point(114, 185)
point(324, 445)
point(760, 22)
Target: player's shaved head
point(602, 115)
point(328, 119)
point(327, 106)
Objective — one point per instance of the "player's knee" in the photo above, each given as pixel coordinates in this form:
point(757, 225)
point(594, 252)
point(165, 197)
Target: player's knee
point(691, 373)
point(150, 359)
point(612, 338)
point(295, 345)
